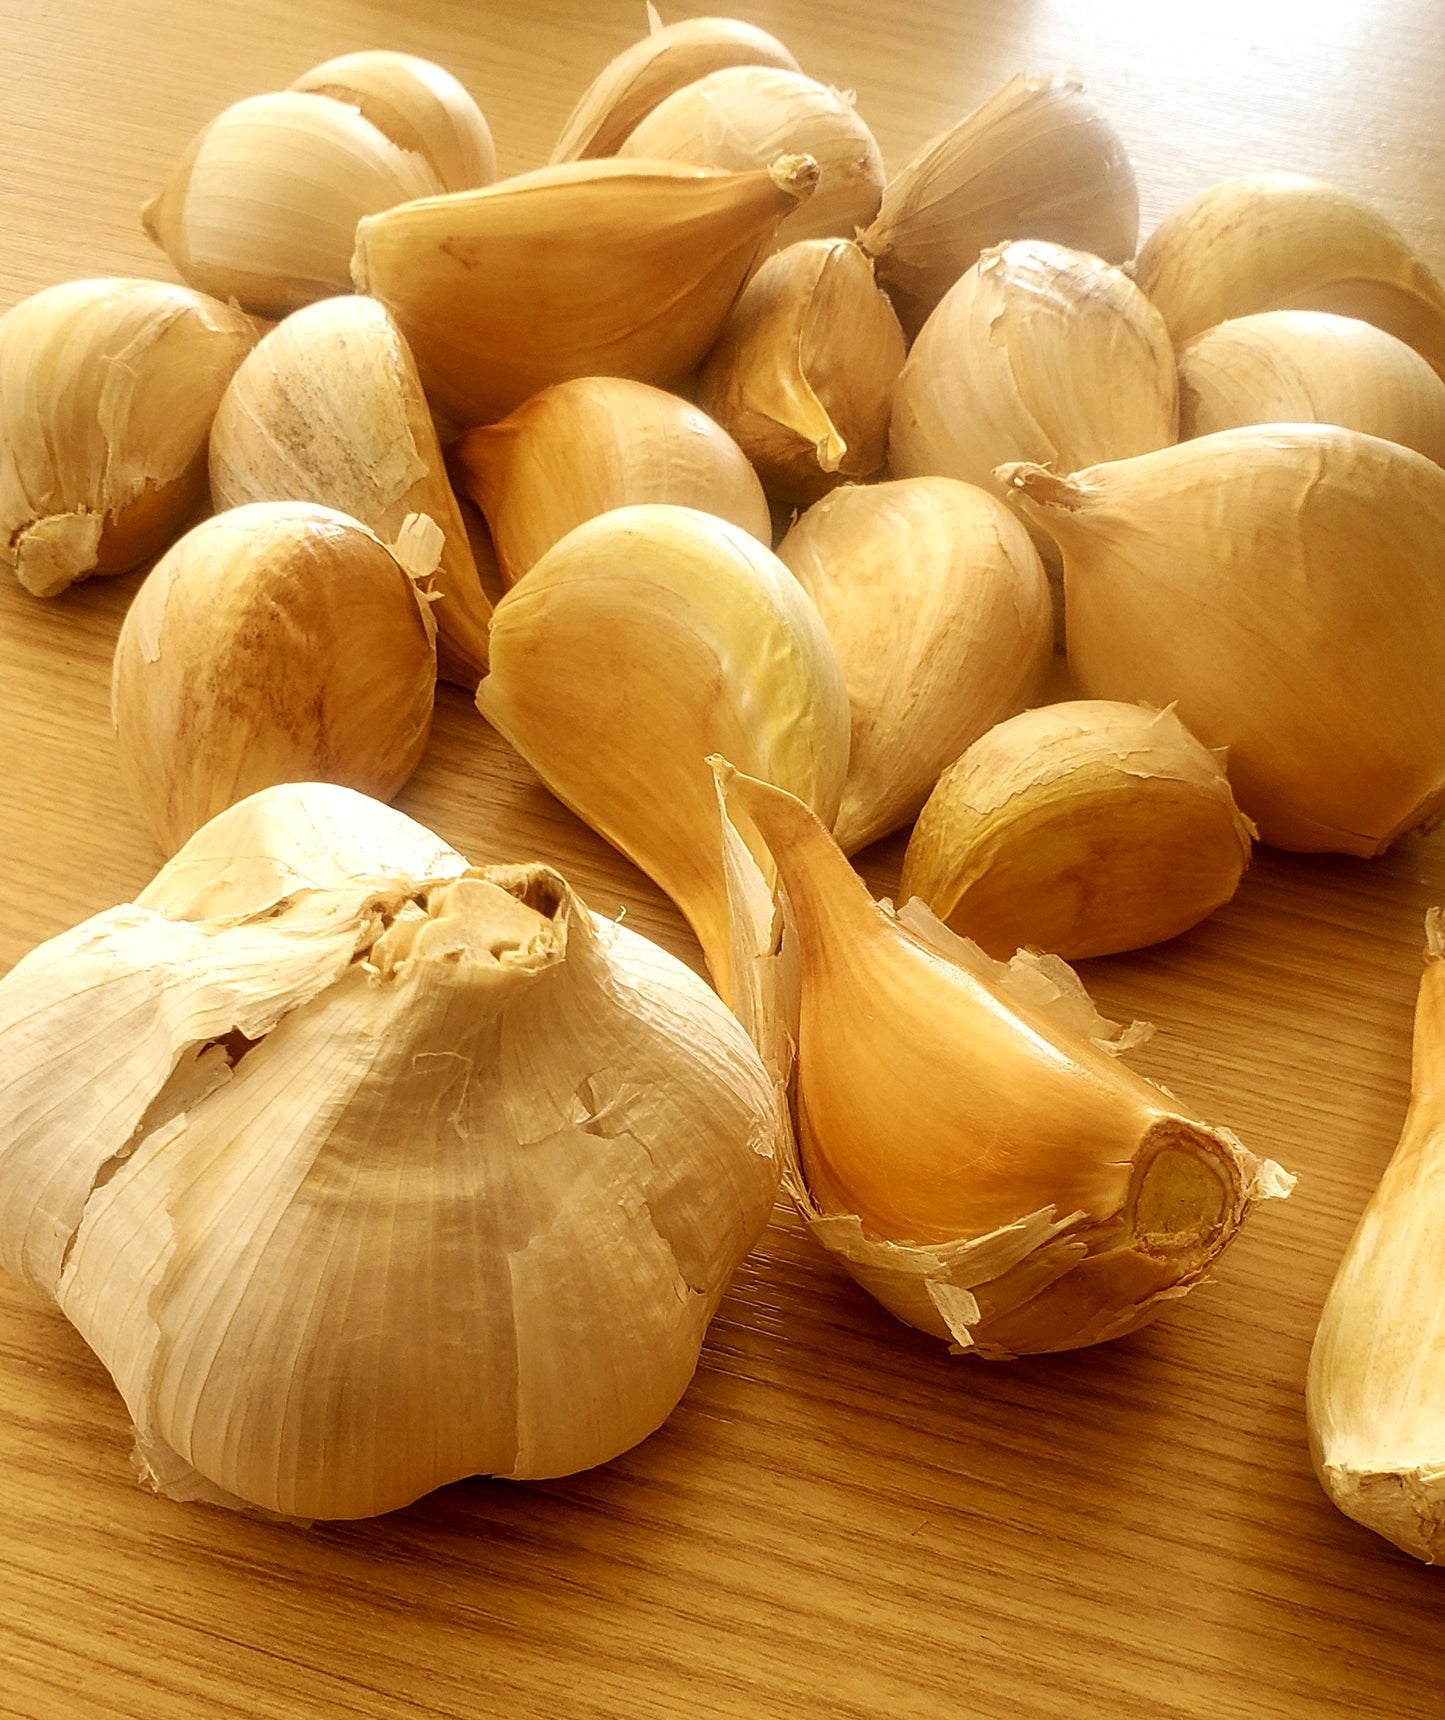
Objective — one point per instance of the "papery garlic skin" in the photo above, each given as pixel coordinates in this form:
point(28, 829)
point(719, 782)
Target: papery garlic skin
point(107, 392)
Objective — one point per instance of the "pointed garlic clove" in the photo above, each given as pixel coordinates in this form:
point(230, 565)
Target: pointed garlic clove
point(1082, 828)
point(107, 392)
point(618, 268)
point(1037, 161)
point(582, 448)
point(642, 642)
point(280, 641)
point(329, 409)
point(1282, 242)
point(939, 611)
point(264, 204)
point(802, 372)
point(1237, 576)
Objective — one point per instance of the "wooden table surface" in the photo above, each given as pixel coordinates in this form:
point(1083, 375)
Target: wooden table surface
point(839, 1520)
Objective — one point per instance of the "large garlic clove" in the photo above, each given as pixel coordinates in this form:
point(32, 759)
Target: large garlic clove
point(969, 1147)
point(1036, 161)
point(1281, 242)
point(1238, 576)
point(626, 90)
point(421, 107)
point(1082, 828)
point(107, 391)
point(329, 408)
point(616, 268)
point(642, 642)
point(1310, 367)
point(581, 448)
point(277, 642)
point(802, 371)
point(264, 204)
point(939, 612)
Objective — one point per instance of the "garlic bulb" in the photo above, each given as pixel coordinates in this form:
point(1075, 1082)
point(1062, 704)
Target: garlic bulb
point(1082, 828)
point(1238, 576)
point(747, 116)
point(329, 408)
point(968, 1146)
point(1309, 367)
point(802, 371)
point(1036, 161)
point(643, 641)
point(1280, 242)
point(1376, 1381)
point(939, 612)
point(581, 448)
point(615, 268)
point(276, 642)
point(626, 90)
point(389, 1173)
point(107, 391)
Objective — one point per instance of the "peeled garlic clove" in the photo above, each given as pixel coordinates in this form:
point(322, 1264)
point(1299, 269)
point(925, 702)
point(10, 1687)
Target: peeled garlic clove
point(421, 107)
point(264, 204)
point(1281, 242)
point(274, 643)
point(969, 1147)
point(939, 611)
point(1036, 161)
point(581, 448)
point(642, 642)
point(802, 372)
point(107, 391)
point(1308, 367)
point(1238, 577)
point(672, 56)
point(329, 409)
point(616, 268)
point(1082, 828)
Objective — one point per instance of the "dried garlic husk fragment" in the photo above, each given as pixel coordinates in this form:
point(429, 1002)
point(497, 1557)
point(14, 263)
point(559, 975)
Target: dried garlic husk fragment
point(616, 268)
point(107, 391)
point(277, 642)
point(363, 1171)
point(329, 408)
point(1082, 828)
point(938, 609)
point(1237, 576)
point(802, 372)
point(582, 448)
point(642, 642)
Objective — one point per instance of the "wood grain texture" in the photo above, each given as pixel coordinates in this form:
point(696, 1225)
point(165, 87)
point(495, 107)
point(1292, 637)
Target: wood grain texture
point(839, 1520)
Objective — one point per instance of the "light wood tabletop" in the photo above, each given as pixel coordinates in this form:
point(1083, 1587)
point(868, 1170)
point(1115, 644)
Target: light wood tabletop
point(840, 1519)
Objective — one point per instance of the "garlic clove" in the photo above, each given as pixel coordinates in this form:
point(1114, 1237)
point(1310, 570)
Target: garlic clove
point(618, 268)
point(802, 371)
point(329, 409)
point(581, 448)
point(939, 611)
point(1081, 828)
point(107, 391)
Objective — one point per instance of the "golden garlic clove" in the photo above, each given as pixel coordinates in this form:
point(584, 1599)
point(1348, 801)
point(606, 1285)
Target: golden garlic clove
point(1081, 828)
point(642, 642)
point(1237, 576)
point(264, 204)
point(617, 268)
point(939, 611)
point(802, 372)
point(329, 408)
point(1281, 242)
point(582, 448)
point(107, 391)
point(1036, 161)
point(277, 642)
